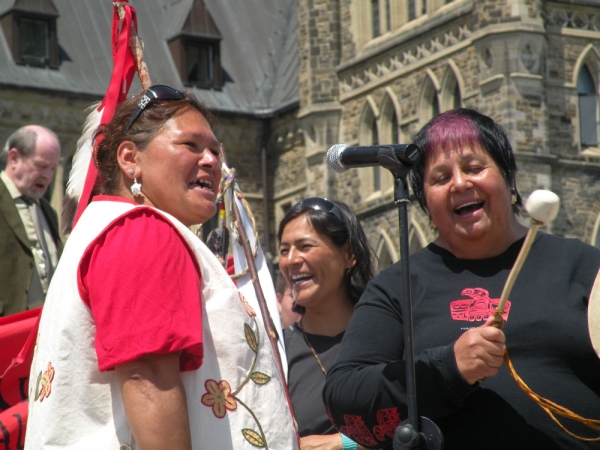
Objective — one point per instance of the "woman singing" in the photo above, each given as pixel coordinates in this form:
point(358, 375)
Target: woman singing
point(465, 183)
point(144, 340)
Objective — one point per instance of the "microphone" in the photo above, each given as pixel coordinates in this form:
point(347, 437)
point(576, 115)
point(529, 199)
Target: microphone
point(341, 157)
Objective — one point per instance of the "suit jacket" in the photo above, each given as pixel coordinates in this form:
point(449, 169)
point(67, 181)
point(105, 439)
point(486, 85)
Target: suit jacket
point(16, 258)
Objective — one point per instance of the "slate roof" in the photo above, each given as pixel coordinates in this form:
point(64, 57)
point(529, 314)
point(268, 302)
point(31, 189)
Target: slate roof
point(259, 51)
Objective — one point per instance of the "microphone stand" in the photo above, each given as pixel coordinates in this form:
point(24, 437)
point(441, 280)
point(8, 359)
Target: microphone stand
point(415, 432)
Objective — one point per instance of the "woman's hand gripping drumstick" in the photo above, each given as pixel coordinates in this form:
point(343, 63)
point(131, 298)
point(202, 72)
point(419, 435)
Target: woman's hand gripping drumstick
point(542, 207)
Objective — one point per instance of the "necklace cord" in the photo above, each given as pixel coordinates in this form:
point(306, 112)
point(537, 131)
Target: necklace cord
point(311, 348)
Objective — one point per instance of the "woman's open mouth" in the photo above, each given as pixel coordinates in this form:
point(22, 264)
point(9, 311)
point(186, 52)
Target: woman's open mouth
point(204, 184)
point(300, 278)
point(469, 208)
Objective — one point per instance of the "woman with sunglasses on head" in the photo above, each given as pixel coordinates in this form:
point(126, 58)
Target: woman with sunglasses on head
point(325, 258)
point(466, 184)
point(144, 340)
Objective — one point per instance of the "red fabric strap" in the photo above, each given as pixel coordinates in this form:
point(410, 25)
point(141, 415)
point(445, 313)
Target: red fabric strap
point(122, 76)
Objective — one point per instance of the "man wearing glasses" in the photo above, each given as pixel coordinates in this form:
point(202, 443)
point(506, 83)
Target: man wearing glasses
point(29, 238)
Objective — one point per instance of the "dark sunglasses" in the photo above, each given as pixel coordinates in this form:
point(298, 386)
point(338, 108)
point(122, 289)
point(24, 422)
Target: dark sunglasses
point(157, 92)
point(322, 204)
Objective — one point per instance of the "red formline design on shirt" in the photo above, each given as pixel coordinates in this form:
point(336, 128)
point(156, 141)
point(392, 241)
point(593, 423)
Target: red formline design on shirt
point(478, 307)
point(388, 420)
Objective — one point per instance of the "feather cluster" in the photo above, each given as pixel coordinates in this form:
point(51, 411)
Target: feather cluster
point(79, 167)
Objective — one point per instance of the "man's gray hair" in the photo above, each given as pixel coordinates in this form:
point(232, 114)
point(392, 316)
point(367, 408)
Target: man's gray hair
point(24, 140)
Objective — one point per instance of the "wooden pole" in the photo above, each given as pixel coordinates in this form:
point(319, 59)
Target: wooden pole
point(268, 321)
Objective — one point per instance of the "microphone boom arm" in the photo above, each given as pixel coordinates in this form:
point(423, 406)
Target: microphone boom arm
point(388, 158)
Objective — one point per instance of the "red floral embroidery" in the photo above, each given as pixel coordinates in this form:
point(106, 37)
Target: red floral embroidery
point(388, 420)
point(247, 306)
point(356, 430)
point(46, 383)
point(218, 396)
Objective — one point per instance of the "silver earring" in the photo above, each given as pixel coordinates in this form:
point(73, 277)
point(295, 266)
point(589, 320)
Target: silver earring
point(136, 188)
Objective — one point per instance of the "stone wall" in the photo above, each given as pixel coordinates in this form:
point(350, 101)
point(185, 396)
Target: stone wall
point(514, 60)
point(287, 169)
point(319, 50)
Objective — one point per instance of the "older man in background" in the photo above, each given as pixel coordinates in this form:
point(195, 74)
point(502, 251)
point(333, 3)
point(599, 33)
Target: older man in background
point(30, 243)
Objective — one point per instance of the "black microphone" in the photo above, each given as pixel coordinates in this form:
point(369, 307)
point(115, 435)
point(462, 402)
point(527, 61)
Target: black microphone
point(341, 157)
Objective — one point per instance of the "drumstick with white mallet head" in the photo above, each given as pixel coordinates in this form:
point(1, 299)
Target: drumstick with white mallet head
point(542, 207)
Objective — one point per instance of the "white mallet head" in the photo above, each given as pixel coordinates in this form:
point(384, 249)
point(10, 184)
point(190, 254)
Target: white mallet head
point(542, 205)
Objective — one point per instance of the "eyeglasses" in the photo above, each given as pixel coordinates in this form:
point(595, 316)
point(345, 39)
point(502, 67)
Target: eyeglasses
point(322, 204)
point(157, 92)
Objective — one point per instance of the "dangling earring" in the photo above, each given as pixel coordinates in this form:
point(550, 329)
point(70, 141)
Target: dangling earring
point(513, 196)
point(136, 188)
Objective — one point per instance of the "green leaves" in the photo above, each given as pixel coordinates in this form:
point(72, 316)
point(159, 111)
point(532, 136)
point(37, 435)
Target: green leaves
point(251, 338)
point(37, 386)
point(260, 378)
point(253, 438)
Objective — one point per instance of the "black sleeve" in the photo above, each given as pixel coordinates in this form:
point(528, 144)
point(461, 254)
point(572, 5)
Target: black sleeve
point(365, 390)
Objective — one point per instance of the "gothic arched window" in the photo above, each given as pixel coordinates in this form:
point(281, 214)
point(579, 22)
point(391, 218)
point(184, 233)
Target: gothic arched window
point(588, 108)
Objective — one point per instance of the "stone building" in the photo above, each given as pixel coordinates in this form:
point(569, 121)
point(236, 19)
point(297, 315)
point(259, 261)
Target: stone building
point(290, 78)
point(376, 71)
point(239, 58)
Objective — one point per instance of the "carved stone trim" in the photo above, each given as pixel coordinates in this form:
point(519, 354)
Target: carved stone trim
point(573, 19)
point(290, 191)
point(402, 59)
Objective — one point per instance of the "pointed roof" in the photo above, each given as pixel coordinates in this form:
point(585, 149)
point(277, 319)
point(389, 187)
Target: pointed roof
point(259, 50)
point(5, 6)
point(45, 7)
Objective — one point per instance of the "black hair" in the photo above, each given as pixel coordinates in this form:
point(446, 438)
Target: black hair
point(459, 127)
point(348, 230)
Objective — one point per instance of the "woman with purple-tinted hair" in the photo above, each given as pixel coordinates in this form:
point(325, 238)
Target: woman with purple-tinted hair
point(465, 183)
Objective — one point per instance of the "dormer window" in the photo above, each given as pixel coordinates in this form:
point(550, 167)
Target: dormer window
point(196, 50)
point(34, 41)
point(198, 60)
point(30, 31)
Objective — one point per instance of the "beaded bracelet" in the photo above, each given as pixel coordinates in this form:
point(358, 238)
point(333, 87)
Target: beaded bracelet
point(348, 444)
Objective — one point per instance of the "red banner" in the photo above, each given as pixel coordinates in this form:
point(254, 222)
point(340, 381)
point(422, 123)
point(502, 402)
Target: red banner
point(14, 333)
point(124, 68)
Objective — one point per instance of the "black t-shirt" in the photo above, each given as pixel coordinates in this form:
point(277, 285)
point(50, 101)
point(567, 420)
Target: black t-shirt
point(547, 341)
point(306, 379)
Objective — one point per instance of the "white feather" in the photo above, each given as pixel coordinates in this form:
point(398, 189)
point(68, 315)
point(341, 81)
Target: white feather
point(79, 167)
point(83, 154)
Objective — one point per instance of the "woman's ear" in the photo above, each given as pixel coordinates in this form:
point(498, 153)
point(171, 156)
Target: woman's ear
point(432, 223)
point(351, 257)
point(127, 157)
